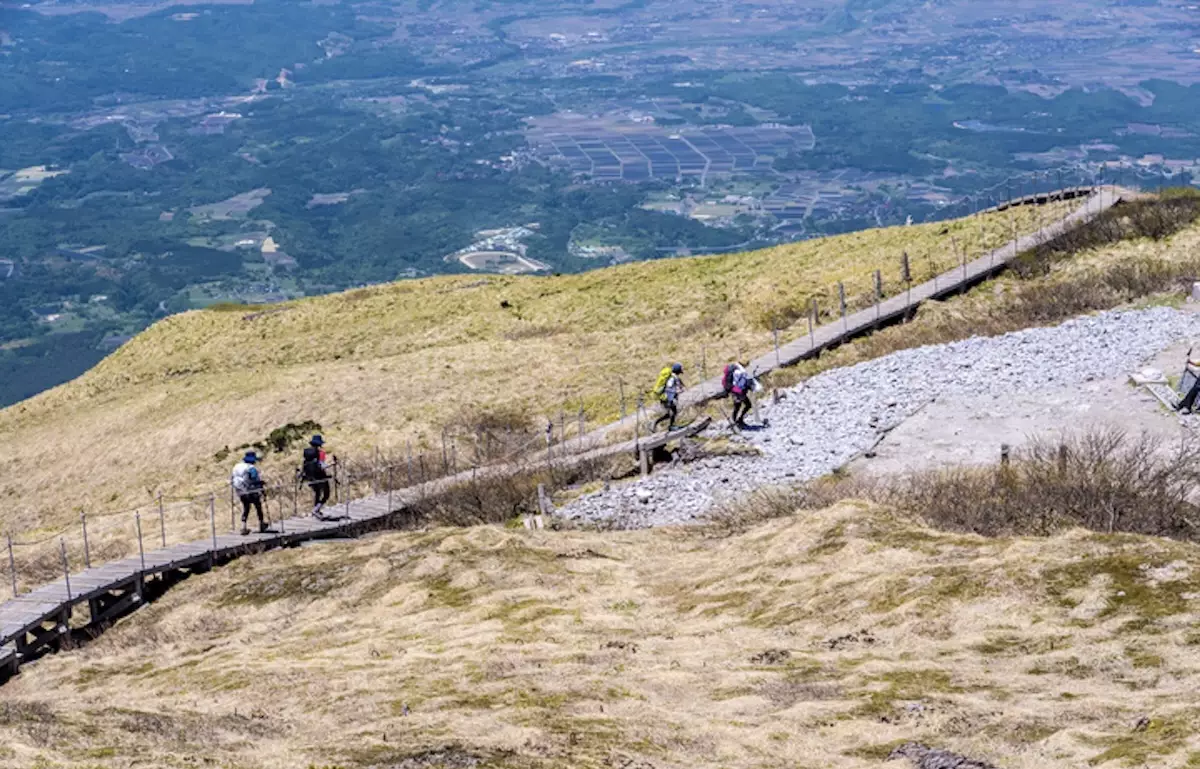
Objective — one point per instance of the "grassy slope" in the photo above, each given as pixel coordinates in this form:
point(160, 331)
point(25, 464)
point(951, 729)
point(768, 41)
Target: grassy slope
point(383, 365)
point(545, 649)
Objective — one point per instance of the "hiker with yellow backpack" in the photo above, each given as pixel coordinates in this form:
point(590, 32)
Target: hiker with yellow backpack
point(667, 390)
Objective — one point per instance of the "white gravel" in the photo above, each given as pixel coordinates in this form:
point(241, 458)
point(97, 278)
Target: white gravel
point(834, 417)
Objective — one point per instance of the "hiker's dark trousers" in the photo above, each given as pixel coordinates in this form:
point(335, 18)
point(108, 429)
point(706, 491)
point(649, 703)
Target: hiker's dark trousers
point(741, 403)
point(320, 491)
point(672, 411)
point(253, 498)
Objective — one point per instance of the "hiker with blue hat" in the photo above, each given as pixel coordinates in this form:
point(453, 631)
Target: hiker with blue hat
point(667, 389)
point(315, 473)
point(247, 482)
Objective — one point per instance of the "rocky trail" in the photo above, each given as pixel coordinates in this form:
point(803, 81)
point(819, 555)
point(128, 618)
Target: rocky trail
point(1062, 376)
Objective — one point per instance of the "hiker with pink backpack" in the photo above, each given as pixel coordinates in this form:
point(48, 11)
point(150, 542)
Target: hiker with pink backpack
point(738, 384)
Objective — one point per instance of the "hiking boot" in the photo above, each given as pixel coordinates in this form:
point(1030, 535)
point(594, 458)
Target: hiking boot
point(245, 532)
point(263, 528)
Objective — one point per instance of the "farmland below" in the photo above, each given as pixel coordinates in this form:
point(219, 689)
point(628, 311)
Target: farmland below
point(133, 175)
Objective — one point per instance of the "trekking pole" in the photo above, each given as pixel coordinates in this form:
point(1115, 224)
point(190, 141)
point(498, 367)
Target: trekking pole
point(12, 566)
point(212, 518)
point(62, 549)
point(232, 509)
point(445, 461)
point(87, 555)
point(137, 518)
point(162, 519)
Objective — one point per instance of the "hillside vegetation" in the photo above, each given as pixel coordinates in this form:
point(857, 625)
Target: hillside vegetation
point(808, 641)
point(382, 366)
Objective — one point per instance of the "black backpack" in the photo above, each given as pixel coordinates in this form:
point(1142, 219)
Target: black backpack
point(312, 470)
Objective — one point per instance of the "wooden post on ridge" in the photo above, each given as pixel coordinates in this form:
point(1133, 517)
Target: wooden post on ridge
point(62, 549)
point(842, 304)
point(878, 294)
point(12, 566)
point(87, 554)
point(162, 519)
point(137, 519)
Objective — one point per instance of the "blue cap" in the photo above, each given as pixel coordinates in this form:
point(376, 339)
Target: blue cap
point(250, 457)
point(317, 440)
point(677, 368)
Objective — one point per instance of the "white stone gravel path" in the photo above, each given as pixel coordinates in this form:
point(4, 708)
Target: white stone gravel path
point(832, 418)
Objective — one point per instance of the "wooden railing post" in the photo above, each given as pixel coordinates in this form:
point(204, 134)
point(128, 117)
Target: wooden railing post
point(87, 551)
point(12, 566)
point(62, 548)
point(842, 305)
point(137, 517)
point(162, 519)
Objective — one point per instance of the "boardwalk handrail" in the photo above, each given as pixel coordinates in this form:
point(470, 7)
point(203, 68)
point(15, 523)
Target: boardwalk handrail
point(886, 310)
point(39, 620)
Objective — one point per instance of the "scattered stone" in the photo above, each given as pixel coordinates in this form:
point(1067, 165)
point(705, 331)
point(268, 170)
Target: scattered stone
point(923, 757)
point(842, 413)
point(862, 637)
point(627, 646)
point(771, 657)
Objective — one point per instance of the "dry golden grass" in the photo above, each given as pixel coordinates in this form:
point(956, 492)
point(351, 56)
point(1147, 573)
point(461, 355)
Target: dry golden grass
point(1137, 270)
point(385, 365)
point(812, 641)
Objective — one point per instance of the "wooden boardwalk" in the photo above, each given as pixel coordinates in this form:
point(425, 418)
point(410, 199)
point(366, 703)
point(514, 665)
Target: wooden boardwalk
point(40, 621)
point(902, 304)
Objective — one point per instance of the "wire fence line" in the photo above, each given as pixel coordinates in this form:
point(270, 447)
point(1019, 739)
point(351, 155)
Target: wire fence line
point(171, 520)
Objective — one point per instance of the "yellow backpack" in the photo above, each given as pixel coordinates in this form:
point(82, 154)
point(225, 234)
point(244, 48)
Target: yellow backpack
point(660, 387)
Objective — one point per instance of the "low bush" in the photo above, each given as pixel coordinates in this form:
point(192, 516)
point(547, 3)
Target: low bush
point(1103, 480)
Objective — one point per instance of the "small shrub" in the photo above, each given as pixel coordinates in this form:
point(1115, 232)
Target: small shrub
point(1101, 480)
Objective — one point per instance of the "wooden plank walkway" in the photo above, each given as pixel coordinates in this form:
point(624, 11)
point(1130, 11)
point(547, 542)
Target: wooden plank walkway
point(39, 621)
point(900, 305)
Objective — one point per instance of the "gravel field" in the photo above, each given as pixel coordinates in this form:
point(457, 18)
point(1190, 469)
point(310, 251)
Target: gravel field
point(830, 419)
